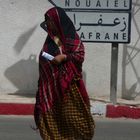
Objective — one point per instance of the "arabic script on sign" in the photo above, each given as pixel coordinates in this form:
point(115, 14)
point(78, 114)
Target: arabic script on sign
point(98, 26)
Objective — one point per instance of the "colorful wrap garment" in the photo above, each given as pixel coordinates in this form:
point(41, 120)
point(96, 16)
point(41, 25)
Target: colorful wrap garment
point(62, 109)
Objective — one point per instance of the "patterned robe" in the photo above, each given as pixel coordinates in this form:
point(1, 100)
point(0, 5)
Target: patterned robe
point(62, 109)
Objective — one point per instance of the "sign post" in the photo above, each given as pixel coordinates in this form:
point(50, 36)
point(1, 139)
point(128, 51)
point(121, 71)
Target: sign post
point(103, 21)
point(114, 71)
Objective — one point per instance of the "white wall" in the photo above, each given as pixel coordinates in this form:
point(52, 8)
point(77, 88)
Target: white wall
point(21, 39)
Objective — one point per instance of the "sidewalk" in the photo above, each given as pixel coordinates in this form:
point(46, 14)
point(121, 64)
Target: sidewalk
point(13, 104)
point(123, 108)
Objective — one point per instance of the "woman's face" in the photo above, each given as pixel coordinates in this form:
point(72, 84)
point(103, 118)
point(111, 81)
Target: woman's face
point(51, 26)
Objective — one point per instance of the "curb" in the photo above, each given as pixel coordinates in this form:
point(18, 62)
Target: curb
point(115, 111)
point(16, 109)
point(106, 110)
point(123, 111)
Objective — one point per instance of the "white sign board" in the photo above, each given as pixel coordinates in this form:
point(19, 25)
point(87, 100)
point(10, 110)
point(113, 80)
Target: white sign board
point(99, 20)
point(93, 4)
point(102, 27)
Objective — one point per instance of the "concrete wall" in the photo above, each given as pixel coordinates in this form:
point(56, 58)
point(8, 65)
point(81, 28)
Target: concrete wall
point(21, 39)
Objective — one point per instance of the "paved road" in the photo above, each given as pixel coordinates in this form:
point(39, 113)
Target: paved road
point(117, 129)
point(18, 128)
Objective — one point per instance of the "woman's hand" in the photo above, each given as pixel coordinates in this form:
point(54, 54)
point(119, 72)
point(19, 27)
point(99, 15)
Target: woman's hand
point(59, 59)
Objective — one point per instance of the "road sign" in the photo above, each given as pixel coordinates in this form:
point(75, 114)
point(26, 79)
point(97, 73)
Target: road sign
point(99, 20)
point(93, 4)
point(102, 26)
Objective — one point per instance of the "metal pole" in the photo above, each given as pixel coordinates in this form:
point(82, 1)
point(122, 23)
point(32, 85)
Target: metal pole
point(114, 70)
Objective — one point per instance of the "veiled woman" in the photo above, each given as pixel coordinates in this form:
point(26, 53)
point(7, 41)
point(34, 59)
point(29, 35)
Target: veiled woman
point(62, 109)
